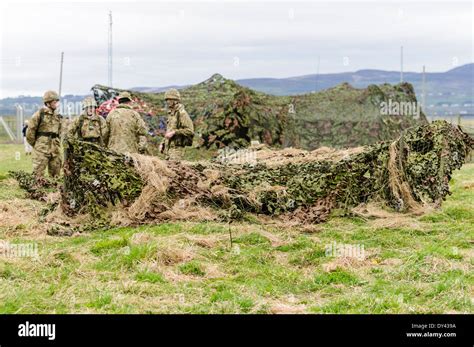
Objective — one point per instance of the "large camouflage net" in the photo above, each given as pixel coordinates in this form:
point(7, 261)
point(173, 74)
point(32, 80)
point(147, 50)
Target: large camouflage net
point(227, 114)
point(406, 174)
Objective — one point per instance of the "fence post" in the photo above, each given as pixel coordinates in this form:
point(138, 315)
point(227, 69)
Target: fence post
point(19, 123)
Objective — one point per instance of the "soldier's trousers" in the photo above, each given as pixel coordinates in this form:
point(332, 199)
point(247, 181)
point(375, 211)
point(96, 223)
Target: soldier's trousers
point(175, 153)
point(41, 161)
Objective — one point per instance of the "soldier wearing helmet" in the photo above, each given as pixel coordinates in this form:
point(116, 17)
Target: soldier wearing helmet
point(43, 133)
point(127, 129)
point(89, 126)
point(179, 128)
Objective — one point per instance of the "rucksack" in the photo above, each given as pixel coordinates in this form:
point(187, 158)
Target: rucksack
point(81, 124)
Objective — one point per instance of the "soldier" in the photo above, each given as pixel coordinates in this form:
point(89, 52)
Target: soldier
point(179, 129)
point(44, 130)
point(127, 129)
point(89, 126)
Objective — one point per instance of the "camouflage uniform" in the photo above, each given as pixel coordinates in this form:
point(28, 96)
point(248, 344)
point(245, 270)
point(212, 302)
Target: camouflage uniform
point(43, 134)
point(179, 122)
point(127, 129)
point(89, 128)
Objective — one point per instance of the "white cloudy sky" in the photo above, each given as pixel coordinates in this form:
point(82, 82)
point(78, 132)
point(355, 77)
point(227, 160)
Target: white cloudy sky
point(165, 43)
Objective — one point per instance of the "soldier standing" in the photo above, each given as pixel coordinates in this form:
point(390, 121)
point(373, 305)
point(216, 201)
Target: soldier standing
point(89, 126)
point(179, 128)
point(127, 129)
point(44, 130)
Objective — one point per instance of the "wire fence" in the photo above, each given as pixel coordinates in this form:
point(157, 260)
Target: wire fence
point(9, 127)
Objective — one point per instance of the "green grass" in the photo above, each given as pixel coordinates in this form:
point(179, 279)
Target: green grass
point(424, 266)
point(12, 157)
point(106, 245)
point(192, 268)
point(149, 277)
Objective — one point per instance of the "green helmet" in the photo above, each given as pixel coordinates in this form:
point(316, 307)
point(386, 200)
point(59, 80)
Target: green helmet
point(49, 96)
point(124, 95)
point(172, 94)
point(89, 102)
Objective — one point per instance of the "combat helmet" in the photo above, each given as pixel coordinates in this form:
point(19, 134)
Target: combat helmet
point(172, 94)
point(89, 102)
point(124, 95)
point(49, 96)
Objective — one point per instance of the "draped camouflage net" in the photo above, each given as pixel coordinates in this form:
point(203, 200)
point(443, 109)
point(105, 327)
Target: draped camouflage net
point(35, 188)
point(406, 174)
point(225, 114)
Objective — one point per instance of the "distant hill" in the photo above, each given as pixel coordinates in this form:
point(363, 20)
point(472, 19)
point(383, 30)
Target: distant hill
point(31, 104)
point(446, 92)
point(156, 89)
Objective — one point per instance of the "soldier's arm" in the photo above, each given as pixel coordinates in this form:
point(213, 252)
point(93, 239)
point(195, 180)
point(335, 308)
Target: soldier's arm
point(104, 129)
point(61, 129)
point(141, 132)
point(108, 121)
point(72, 130)
point(170, 126)
point(31, 131)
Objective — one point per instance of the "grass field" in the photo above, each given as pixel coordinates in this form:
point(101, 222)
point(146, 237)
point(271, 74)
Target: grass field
point(410, 264)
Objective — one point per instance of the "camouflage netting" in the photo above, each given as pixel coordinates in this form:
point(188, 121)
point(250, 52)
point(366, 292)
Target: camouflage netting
point(406, 174)
point(223, 113)
point(345, 116)
point(94, 177)
point(36, 188)
point(227, 114)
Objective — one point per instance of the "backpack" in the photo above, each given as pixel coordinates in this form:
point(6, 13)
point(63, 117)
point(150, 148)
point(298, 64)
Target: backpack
point(81, 124)
point(41, 117)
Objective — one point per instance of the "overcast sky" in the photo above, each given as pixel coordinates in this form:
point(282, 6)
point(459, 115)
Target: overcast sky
point(164, 43)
